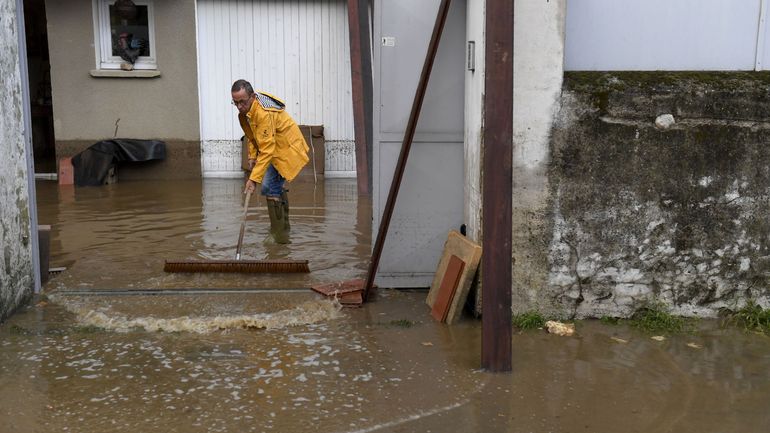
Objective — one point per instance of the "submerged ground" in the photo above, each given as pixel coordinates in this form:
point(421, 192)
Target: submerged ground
point(119, 346)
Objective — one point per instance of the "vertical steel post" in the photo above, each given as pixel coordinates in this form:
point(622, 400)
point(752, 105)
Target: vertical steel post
point(496, 260)
point(361, 80)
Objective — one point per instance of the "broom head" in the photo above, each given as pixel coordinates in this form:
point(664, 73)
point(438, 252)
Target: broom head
point(241, 266)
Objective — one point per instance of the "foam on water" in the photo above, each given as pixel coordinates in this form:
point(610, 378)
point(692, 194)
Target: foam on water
point(303, 314)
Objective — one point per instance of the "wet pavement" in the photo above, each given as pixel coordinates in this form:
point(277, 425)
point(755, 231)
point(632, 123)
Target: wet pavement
point(261, 354)
point(386, 367)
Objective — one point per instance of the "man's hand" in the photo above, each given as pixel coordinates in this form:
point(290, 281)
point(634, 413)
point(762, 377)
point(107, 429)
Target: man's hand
point(252, 163)
point(250, 186)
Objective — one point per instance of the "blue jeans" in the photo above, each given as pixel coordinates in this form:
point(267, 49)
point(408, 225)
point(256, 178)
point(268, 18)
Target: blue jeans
point(272, 182)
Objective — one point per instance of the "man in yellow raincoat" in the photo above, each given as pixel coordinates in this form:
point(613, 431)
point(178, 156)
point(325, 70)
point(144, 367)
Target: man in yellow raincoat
point(277, 150)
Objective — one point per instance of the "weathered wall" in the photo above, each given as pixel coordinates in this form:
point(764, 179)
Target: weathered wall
point(474, 110)
point(538, 71)
point(16, 275)
point(165, 108)
point(538, 67)
point(638, 213)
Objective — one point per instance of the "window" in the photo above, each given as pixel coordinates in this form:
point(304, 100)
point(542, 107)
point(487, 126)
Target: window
point(124, 41)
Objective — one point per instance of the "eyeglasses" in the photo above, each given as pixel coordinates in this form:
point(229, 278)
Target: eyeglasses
point(239, 103)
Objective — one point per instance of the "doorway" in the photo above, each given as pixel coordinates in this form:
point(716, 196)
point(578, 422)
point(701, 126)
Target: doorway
point(430, 202)
point(41, 104)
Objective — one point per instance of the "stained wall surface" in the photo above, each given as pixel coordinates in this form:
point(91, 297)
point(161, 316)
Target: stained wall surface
point(16, 275)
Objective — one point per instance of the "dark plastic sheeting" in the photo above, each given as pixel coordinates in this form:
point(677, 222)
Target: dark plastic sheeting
point(93, 164)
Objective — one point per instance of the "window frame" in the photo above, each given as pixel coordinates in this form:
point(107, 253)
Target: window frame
point(103, 37)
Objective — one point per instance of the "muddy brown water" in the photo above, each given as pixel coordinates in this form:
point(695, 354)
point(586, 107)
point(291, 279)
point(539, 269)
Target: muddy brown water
point(284, 360)
point(386, 367)
point(118, 236)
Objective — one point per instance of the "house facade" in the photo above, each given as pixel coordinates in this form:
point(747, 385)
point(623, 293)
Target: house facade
point(178, 89)
point(611, 209)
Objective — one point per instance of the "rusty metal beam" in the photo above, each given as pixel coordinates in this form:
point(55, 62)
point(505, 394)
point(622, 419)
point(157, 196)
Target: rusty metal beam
point(361, 80)
point(411, 127)
point(496, 260)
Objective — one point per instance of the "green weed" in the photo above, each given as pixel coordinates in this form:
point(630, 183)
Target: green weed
point(402, 323)
point(655, 318)
point(529, 320)
point(751, 318)
point(18, 330)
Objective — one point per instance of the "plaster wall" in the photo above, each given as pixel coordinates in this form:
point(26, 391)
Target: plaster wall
point(538, 64)
point(474, 104)
point(86, 108)
point(538, 73)
point(16, 269)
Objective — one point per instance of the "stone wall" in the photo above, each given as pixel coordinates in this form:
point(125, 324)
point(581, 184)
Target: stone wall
point(639, 212)
point(16, 275)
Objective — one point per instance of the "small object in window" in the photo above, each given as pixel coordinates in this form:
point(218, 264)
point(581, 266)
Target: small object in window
point(129, 48)
point(125, 9)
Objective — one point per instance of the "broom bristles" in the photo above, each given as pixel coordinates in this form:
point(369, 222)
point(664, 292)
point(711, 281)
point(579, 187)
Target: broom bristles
point(242, 266)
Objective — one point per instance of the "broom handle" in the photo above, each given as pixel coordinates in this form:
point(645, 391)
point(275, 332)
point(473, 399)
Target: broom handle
point(243, 226)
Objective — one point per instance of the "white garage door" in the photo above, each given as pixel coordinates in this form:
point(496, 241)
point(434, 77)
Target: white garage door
point(296, 50)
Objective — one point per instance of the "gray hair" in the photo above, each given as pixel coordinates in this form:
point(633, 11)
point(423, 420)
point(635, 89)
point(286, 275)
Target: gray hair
point(242, 85)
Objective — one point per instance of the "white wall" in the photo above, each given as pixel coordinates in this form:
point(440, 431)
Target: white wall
point(666, 35)
point(296, 50)
point(538, 68)
point(474, 104)
point(16, 269)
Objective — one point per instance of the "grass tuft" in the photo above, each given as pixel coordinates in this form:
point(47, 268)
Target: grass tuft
point(751, 318)
point(18, 330)
point(402, 323)
point(529, 320)
point(655, 318)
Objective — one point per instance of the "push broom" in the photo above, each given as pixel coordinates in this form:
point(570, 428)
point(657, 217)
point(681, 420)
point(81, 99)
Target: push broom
point(238, 265)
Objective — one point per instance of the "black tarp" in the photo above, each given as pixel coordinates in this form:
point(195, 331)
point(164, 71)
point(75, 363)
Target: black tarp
point(92, 165)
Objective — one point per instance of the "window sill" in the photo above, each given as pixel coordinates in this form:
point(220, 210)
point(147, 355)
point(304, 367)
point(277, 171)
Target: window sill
point(119, 73)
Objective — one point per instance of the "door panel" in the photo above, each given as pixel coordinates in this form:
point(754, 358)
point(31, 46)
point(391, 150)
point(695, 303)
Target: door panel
point(430, 202)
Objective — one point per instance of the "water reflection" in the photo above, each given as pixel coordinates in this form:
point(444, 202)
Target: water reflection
point(118, 236)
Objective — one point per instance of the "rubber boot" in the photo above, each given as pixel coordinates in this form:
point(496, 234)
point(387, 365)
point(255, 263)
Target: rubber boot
point(285, 205)
point(279, 226)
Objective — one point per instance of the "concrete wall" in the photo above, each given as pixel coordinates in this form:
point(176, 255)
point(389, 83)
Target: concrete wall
point(538, 67)
point(16, 274)
point(610, 211)
point(474, 104)
point(642, 213)
point(166, 107)
point(538, 64)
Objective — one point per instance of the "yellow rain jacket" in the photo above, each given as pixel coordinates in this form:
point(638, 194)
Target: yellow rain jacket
point(274, 138)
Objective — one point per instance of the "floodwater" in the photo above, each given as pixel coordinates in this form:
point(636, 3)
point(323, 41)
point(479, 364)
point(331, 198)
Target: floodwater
point(118, 236)
point(112, 350)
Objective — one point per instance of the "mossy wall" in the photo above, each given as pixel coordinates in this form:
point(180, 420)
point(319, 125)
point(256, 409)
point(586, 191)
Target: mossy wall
point(636, 212)
point(16, 274)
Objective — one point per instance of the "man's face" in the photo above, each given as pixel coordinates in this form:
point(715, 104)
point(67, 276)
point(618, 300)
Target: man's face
point(242, 100)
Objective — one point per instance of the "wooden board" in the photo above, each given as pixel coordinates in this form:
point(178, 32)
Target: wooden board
point(470, 253)
point(340, 287)
point(349, 293)
point(447, 289)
